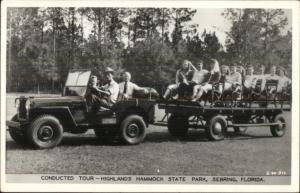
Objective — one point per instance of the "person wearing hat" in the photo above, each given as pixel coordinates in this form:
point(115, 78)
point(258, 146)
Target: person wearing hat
point(107, 95)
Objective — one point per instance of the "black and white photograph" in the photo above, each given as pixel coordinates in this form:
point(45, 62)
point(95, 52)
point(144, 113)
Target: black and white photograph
point(142, 93)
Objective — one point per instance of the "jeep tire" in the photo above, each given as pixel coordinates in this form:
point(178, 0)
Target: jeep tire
point(132, 130)
point(45, 132)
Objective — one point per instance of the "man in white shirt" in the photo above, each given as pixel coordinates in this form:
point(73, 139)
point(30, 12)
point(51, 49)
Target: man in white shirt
point(127, 87)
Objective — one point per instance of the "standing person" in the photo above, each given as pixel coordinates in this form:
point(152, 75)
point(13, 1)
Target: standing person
point(180, 77)
point(214, 77)
point(127, 87)
point(106, 95)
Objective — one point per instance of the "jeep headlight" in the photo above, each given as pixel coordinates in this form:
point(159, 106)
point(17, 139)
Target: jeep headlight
point(27, 105)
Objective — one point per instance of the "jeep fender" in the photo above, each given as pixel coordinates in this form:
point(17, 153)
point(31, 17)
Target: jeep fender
point(63, 114)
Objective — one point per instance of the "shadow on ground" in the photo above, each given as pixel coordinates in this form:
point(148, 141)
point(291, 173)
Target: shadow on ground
point(153, 137)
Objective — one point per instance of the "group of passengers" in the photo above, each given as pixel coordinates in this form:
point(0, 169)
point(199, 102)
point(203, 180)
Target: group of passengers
point(224, 79)
point(107, 95)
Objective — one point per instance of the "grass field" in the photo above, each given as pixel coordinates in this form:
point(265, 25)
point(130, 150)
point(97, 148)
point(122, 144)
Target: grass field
point(253, 153)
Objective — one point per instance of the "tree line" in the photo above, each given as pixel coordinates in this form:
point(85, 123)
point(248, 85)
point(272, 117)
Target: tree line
point(43, 44)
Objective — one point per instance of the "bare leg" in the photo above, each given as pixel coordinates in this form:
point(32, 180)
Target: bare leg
point(196, 89)
point(169, 90)
point(199, 94)
point(167, 93)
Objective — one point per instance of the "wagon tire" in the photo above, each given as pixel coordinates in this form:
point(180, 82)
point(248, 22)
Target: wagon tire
point(178, 125)
point(18, 135)
point(278, 130)
point(45, 132)
point(216, 128)
point(132, 130)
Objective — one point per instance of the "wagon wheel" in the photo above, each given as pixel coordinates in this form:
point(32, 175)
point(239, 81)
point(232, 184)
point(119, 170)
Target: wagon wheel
point(216, 129)
point(278, 130)
point(178, 125)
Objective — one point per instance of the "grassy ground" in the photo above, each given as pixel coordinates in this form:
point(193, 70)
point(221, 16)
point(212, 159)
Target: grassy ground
point(254, 153)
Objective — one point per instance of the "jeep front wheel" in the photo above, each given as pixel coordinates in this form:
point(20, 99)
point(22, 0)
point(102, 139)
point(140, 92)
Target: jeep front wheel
point(45, 132)
point(133, 130)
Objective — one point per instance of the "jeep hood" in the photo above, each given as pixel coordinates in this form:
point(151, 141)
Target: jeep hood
point(55, 101)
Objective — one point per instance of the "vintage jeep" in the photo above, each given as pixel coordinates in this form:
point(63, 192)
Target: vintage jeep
point(41, 121)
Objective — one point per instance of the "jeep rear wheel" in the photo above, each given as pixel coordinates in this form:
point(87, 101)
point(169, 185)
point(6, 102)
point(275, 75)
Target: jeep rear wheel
point(133, 130)
point(18, 135)
point(45, 132)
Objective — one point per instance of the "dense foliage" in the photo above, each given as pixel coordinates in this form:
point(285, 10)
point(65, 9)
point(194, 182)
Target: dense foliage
point(43, 44)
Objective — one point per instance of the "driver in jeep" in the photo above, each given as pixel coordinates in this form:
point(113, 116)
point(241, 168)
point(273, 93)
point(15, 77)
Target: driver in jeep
point(105, 96)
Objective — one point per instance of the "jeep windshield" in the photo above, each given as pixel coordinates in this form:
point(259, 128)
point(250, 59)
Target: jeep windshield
point(76, 83)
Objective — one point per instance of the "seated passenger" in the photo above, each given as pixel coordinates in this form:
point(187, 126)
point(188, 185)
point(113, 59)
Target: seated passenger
point(283, 81)
point(271, 77)
point(214, 77)
point(185, 90)
point(223, 80)
point(261, 76)
point(250, 81)
point(179, 78)
point(233, 82)
point(104, 96)
point(93, 82)
point(127, 87)
point(200, 74)
point(241, 70)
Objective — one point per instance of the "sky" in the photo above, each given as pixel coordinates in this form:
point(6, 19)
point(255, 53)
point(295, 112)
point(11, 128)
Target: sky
point(211, 20)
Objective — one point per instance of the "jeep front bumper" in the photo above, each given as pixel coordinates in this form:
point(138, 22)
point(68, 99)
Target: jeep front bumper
point(13, 124)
